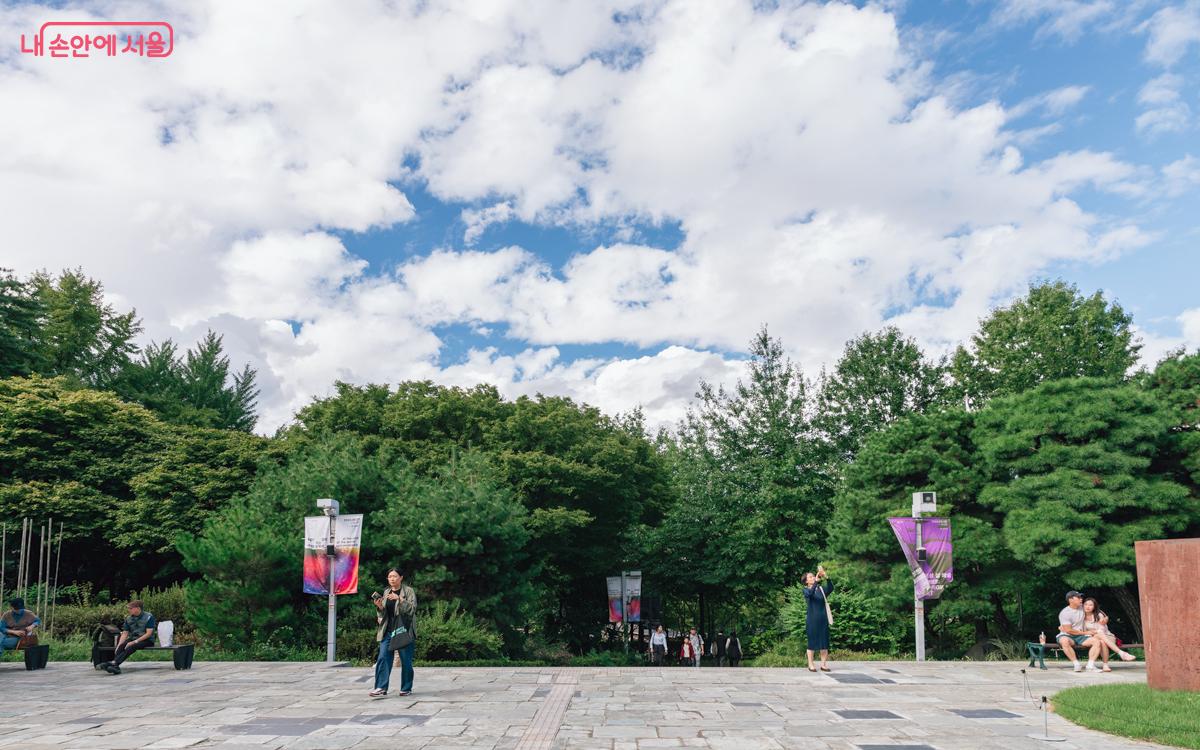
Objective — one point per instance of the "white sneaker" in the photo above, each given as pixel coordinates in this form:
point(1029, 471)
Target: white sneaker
point(1092, 668)
point(1078, 667)
point(1126, 656)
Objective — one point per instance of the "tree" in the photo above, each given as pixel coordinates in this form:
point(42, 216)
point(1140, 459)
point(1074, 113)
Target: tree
point(1176, 383)
point(461, 535)
point(1069, 468)
point(82, 339)
point(933, 451)
point(880, 378)
point(21, 312)
point(247, 559)
point(123, 482)
point(588, 481)
point(191, 389)
point(1052, 333)
point(753, 495)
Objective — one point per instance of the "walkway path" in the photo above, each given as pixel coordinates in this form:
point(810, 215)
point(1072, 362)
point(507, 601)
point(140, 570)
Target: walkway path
point(946, 706)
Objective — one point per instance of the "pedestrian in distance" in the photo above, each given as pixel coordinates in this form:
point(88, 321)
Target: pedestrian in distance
point(658, 646)
point(733, 649)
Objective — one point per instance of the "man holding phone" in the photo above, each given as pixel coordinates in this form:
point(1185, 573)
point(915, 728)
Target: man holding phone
point(395, 611)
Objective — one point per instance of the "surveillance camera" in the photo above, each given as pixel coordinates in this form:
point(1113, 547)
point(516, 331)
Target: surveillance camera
point(329, 505)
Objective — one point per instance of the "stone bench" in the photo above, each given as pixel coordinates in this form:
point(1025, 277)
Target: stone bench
point(182, 654)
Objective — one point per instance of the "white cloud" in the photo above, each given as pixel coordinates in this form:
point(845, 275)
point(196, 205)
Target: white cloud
point(1066, 19)
point(1182, 175)
point(1172, 31)
point(822, 183)
point(1189, 323)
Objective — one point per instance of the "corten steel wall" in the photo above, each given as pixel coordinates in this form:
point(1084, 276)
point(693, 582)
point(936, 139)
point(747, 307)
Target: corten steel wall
point(1169, 584)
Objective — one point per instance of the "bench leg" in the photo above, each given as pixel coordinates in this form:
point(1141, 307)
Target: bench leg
point(182, 656)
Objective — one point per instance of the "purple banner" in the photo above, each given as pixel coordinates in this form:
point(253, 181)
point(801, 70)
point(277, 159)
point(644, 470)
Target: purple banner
point(936, 569)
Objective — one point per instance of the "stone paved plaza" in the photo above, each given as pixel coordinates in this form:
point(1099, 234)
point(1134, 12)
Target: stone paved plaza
point(945, 705)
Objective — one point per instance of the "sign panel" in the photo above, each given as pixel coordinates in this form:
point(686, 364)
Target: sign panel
point(927, 547)
point(347, 543)
point(615, 611)
point(633, 598)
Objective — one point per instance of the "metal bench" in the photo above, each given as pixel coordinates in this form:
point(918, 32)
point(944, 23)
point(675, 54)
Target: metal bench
point(35, 656)
point(1037, 651)
point(104, 640)
point(182, 654)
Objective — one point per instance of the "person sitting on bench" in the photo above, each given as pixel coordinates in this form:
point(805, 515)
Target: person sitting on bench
point(1072, 632)
point(137, 632)
point(17, 626)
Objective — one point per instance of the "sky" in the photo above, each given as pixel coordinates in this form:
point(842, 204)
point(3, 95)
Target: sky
point(604, 200)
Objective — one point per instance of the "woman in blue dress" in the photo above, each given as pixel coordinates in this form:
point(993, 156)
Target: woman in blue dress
point(816, 588)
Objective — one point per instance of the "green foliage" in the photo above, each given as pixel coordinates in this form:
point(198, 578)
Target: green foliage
point(1069, 467)
point(752, 491)
point(460, 535)
point(114, 475)
point(194, 388)
point(880, 378)
point(446, 632)
point(1175, 382)
point(81, 338)
point(247, 557)
point(21, 314)
point(1052, 333)
point(860, 623)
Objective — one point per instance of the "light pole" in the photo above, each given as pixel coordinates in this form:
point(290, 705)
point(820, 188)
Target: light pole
point(329, 507)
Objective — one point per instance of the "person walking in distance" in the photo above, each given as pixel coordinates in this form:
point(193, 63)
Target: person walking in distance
point(395, 613)
point(658, 646)
point(697, 645)
point(733, 649)
point(817, 588)
point(716, 648)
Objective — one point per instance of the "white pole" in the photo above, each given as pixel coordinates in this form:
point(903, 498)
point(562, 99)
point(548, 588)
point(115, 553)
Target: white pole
point(331, 636)
point(919, 606)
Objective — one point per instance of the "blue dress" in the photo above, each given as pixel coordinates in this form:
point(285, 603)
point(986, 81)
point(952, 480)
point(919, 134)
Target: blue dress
point(816, 623)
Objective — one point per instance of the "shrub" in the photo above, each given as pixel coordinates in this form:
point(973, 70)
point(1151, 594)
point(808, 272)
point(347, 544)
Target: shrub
point(81, 619)
point(859, 622)
point(446, 633)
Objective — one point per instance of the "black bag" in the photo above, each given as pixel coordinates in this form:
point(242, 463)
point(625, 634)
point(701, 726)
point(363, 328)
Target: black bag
point(402, 636)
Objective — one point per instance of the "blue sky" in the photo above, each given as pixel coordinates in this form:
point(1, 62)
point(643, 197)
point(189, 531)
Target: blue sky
point(606, 198)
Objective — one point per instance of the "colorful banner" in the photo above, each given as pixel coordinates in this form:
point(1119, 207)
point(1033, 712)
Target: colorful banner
point(615, 611)
point(633, 598)
point(347, 532)
point(931, 574)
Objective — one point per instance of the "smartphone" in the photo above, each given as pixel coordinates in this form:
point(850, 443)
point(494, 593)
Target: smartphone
point(376, 595)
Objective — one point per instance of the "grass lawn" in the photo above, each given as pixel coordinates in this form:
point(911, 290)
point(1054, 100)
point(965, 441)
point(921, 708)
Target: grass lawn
point(1135, 711)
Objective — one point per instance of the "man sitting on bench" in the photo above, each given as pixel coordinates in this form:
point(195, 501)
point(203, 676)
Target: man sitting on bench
point(137, 632)
point(17, 624)
point(1072, 633)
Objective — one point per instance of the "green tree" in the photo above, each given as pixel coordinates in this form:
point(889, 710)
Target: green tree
point(194, 388)
point(247, 559)
point(933, 451)
point(1069, 468)
point(82, 338)
point(752, 490)
point(1176, 383)
point(461, 535)
point(1052, 333)
point(21, 312)
point(880, 378)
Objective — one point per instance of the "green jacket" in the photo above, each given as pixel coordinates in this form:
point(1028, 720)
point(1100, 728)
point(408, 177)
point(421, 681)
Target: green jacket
point(407, 607)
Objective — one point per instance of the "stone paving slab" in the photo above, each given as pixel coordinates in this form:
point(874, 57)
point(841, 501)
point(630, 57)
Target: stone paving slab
point(939, 705)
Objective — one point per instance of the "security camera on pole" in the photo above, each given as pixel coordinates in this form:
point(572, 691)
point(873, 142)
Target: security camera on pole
point(927, 548)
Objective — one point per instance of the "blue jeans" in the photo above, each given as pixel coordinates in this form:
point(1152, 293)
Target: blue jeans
point(383, 667)
point(7, 642)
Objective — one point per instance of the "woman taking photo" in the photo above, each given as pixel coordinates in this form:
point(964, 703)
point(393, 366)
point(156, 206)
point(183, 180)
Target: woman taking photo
point(817, 588)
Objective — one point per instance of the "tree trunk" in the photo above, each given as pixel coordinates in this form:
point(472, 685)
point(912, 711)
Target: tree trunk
point(1003, 624)
point(1133, 612)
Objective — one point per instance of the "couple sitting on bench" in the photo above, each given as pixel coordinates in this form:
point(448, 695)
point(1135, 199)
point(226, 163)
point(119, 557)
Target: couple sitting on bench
point(1081, 624)
point(137, 632)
